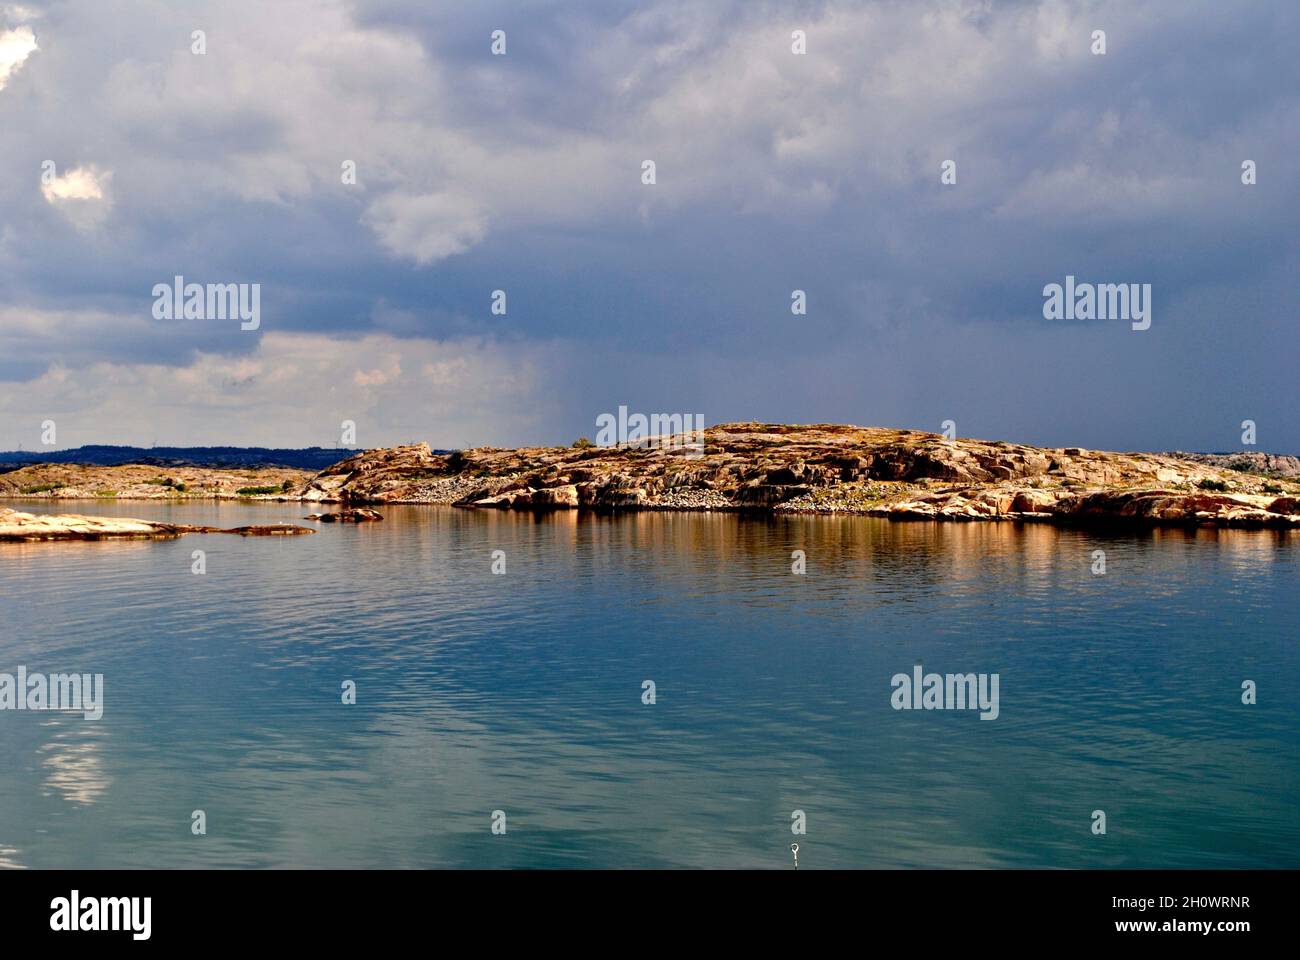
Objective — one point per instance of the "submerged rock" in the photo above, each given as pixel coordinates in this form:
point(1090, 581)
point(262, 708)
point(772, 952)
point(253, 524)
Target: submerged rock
point(266, 530)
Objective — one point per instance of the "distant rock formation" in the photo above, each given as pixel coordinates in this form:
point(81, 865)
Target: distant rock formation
point(215, 458)
point(1265, 464)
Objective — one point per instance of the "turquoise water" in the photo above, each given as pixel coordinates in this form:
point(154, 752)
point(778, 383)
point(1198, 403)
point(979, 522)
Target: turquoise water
point(522, 693)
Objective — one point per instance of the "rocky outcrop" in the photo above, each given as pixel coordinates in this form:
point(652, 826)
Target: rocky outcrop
point(357, 515)
point(823, 468)
point(410, 473)
point(28, 526)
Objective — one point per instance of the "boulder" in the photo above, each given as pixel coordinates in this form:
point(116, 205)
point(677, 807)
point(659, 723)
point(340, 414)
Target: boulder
point(562, 496)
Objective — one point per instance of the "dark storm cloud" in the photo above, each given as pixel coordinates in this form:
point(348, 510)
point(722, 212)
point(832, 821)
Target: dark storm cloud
point(775, 173)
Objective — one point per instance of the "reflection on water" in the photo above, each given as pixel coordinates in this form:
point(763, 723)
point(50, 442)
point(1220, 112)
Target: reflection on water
point(522, 692)
point(70, 757)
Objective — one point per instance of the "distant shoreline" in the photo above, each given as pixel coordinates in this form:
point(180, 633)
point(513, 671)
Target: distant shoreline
point(207, 457)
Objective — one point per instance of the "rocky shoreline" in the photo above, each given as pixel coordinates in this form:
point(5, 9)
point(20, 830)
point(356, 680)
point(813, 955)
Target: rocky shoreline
point(773, 468)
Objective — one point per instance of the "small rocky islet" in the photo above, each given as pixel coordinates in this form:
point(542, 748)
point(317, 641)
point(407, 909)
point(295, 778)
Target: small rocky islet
point(775, 468)
point(15, 525)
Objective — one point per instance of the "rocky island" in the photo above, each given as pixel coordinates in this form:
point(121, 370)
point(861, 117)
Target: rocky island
point(826, 468)
point(779, 468)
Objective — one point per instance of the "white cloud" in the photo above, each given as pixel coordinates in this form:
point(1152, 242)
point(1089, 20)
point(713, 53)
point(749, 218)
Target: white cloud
point(15, 47)
point(81, 195)
point(79, 183)
point(295, 389)
point(426, 228)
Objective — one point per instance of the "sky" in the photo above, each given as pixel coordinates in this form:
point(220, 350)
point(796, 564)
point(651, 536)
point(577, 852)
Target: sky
point(127, 159)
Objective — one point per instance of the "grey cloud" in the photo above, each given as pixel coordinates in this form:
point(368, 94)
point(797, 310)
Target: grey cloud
point(775, 172)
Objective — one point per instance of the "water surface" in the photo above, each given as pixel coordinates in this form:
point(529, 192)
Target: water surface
point(522, 692)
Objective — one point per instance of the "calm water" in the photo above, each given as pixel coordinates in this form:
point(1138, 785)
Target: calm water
point(522, 693)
